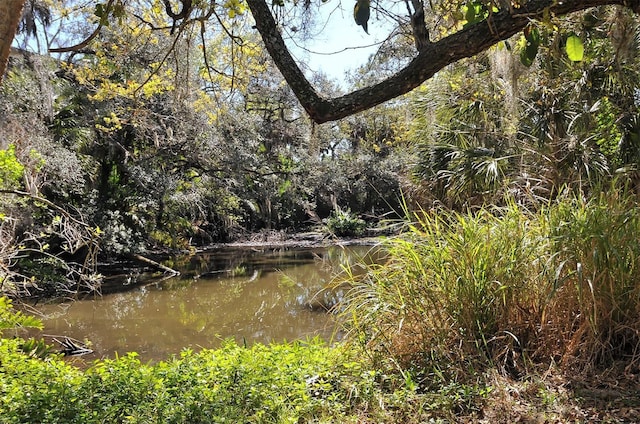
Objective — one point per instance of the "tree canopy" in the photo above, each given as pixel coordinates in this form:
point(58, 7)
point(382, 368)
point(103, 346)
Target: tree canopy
point(442, 33)
point(481, 30)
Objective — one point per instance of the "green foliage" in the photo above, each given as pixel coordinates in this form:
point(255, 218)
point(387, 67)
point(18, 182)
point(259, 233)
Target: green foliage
point(10, 169)
point(175, 234)
point(288, 383)
point(608, 134)
point(11, 319)
point(344, 223)
point(134, 151)
point(37, 348)
point(530, 45)
point(465, 140)
point(474, 12)
point(596, 261)
point(488, 127)
point(447, 295)
point(574, 48)
point(36, 390)
point(121, 232)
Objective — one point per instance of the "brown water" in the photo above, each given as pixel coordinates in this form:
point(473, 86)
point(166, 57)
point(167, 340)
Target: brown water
point(249, 295)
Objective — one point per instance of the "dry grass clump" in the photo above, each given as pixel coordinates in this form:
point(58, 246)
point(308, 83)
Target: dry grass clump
point(506, 289)
point(594, 302)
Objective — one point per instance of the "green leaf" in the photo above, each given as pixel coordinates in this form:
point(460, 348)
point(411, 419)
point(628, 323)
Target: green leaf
point(474, 12)
point(531, 44)
point(528, 55)
point(575, 48)
point(470, 14)
point(102, 12)
point(99, 12)
point(532, 34)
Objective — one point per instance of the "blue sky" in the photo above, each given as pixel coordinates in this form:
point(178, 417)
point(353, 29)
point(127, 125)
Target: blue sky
point(350, 45)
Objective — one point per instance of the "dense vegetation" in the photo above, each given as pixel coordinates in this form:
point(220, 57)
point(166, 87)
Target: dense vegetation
point(505, 287)
point(467, 309)
point(100, 178)
point(516, 174)
point(280, 383)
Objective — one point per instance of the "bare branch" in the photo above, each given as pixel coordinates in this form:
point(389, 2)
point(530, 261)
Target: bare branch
point(420, 32)
point(87, 40)
point(184, 12)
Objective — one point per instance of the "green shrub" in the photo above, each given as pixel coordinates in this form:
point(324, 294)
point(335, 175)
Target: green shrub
point(11, 319)
point(285, 383)
point(281, 383)
point(10, 169)
point(343, 223)
point(33, 389)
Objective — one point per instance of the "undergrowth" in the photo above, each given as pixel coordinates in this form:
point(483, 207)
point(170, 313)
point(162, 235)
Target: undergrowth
point(287, 383)
point(491, 316)
point(281, 383)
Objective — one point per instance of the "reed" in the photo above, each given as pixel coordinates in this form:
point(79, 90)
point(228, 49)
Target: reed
point(594, 302)
point(503, 287)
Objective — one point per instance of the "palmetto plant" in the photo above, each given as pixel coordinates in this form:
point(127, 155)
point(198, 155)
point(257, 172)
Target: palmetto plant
point(490, 128)
point(468, 152)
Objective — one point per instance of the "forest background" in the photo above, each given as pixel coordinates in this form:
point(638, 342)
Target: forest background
point(148, 140)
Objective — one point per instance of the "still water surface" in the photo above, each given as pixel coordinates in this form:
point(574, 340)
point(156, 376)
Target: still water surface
point(250, 295)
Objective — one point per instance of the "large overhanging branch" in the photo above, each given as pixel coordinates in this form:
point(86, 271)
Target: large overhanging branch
point(431, 58)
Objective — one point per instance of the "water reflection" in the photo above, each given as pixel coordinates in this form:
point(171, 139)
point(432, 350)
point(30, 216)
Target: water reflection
point(250, 295)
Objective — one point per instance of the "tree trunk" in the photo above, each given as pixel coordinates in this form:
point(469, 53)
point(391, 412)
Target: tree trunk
point(10, 14)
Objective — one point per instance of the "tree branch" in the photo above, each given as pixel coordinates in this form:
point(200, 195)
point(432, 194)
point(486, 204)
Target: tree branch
point(87, 40)
point(302, 88)
point(420, 32)
point(186, 9)
point(431, 58)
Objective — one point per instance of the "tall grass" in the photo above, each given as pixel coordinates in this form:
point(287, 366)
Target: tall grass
point(594, 302)
point(505, 288)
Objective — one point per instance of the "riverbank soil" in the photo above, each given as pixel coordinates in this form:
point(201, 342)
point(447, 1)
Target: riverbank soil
point(555, 397)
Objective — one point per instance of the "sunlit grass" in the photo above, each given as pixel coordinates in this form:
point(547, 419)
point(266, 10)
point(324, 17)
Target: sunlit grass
point(503, 288)
point(593, 302)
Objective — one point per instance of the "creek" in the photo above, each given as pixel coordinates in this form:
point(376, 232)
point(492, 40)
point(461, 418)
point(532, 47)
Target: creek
point(248, 294)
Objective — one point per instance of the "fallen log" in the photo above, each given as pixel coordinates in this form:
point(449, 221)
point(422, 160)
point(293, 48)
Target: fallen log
point(153, 263)
point(71, 347)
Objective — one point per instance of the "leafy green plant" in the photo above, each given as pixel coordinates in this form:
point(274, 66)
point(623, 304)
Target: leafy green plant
point(11, 319)
point(284, 383)
point(10, 168)
point(608, 137)
point(343, 223)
